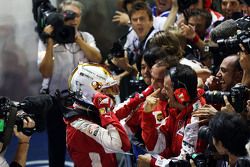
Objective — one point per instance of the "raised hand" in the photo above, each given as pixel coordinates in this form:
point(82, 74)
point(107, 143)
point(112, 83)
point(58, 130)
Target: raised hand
point(151, 101)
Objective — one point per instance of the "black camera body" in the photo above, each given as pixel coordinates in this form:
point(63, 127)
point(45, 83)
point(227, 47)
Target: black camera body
point(46, 14)
point(238, 96)
point(242, 36)
point(6, 107)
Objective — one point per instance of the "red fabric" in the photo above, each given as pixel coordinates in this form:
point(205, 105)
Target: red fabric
point(124, 109)
point(82, 147)
point(207, 4)
point(103, 101)
point(134, 121)
point(174, 122)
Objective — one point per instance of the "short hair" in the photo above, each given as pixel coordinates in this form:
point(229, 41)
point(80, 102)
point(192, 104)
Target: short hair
point(169, 41)
point(187, 78)
point(203, 13)
point(76, 3)
point(137, 6)
point(232, 130)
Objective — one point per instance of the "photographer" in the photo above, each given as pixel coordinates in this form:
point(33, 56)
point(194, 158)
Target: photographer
point(230, 134)
point(22, 148)
point(56, 62)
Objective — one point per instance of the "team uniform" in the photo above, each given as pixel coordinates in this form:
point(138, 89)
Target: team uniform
point(167, 139)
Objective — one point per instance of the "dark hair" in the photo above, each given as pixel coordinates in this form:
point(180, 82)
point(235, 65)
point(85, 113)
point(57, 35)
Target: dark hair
point(184, 76)
point(137, 6)
point(231, 130)
point(203, 13)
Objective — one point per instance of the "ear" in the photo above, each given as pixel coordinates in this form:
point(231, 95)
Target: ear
point(181, 95)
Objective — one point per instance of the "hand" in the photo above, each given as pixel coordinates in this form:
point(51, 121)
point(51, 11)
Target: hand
point(144, 160)
point(27, 123)
point(228, 107)
point(151, 101)
point(187, 31)
point(78, 37)
point(103, 103)
point(205, 113)
point(48, 29)
point(121, 18)
point(213, 83)
point(121, 62)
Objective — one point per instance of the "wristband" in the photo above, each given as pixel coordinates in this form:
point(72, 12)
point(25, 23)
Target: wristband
point(23, 143)
point(196, 38)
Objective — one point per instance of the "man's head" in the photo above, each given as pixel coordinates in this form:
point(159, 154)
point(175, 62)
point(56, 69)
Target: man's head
point(201, 20)
point(230, 133)
point(229, 7)
point(230, 72)
point(163, 5)
point(74, 6)
point(180, 84)
point(141, 19)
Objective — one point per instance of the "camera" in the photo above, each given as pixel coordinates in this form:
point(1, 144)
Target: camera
point(46, 14)
point(232, 43)
point(242, 36)
point(35, 107)
point(238, 95)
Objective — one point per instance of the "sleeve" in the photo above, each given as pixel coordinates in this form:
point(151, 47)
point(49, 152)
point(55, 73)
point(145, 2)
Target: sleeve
point(125, 108)
point(3, 162)
point(41, 51)
point(110, 135)
point(149, 130)
point(90, 40)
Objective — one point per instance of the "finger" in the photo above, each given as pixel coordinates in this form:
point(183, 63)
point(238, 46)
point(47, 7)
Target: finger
point(118, 12)
point(156, 93)
point(226, 100)
point(31, 122)
point(25, 123)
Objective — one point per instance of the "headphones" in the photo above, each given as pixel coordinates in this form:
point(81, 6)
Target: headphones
point(181, 94)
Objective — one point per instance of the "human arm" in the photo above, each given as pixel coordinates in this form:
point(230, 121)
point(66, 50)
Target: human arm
point(121, 18)
point(23, 143)
point(47, 63)
point(111, 133)
point(125, 108)
point(245, 65)
point(88, 47)
point(172, 16)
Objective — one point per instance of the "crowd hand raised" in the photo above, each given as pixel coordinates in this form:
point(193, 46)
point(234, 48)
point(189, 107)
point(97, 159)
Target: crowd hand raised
point(144, 160)
point(187, 31)
point(228, 106)
point(151, 101)
point(121, 62)
point(205, 113)
point(121, 18)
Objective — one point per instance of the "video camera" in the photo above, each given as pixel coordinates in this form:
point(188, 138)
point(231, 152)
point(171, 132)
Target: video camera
point(46, 14)
point(35, 107)
point(237, 96)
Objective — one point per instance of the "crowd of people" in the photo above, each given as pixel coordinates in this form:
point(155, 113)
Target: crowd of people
point(191, 104)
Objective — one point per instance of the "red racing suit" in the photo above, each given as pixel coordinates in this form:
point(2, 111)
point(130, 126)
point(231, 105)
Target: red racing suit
point(90, 144)
point(132, 110)
point(167, 139)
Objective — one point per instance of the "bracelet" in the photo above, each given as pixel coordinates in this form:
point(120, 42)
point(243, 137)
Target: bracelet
point(196, 38)
point(23, 143)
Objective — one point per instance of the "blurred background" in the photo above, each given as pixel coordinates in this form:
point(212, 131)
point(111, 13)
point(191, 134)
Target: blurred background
point(19, 75)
